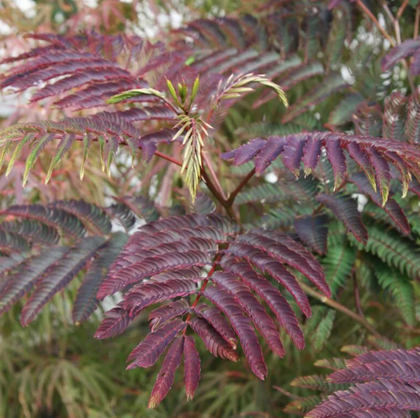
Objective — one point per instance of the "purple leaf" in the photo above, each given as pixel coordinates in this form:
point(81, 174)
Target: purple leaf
point(271, 295)
point(243, 328)
point(292, 155)
point(253, 309)
point(313, 231)
point(345, 209)
point(166, 376)
point(405, 49)
point(218, 322)
point(32, 271)
point(337, 159)
point(213, 341)
point(163, 314)
point(60, 276)
point(311, 154)
point(147, 353)
point(192, 367)
point(116, 321)
point(268, 265)
point(86, 301)
point(392, 208)
point(146, 294)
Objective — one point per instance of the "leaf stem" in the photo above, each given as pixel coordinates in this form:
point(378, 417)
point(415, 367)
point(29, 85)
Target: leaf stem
point(213, 174)
point(341, 308)
point(204, 285)
point(233, 195)
point(168, 158)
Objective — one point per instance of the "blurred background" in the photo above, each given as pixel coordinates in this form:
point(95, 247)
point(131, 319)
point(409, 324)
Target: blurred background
point(53, 369)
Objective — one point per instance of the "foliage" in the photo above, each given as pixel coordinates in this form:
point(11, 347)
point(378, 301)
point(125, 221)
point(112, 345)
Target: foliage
point(313, 208)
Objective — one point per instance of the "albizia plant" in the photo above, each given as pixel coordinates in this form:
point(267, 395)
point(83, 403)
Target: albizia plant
point(212, 274)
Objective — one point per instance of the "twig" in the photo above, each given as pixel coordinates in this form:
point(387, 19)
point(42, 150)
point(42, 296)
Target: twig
point(168, 158)
point(375, 21)
point(213, 174)
point(357, 296)
point(337, 306)
point(394, 21)
point(286, 393)
point(240, 187)
point(401, 9)
point(204, 285)
point(416, 22)
point(218, 196)
point(397, 30)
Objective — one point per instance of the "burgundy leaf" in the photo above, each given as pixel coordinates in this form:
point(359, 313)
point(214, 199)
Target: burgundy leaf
point(146, 294)
point(247, 152)
point(382, 173)
point(243, 328)
point(218, 322)
point(405, 49)
point(253, 308)
point(392, 208)
point(271, 295)
point(163, 314)
point(96, 94)
point(275, 269)
point(311, 153)
point(288, 251)
point(86, 301)
point(345, 209)
point(24, 81)
point(147, 353)
point(192, 367)
point(60, 276)
point(273, 147)
point(361, 158)
point(166, 376)
point(33, 269)
point(116, 321)
point(292, 155)
point(79, 79)
point(337, 159)
point(151, 266)
point(313, 231)
point(212, 339)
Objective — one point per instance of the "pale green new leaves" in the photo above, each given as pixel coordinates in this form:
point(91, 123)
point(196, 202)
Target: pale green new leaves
point(234, 87)
point(194, 129)
point(134, 93)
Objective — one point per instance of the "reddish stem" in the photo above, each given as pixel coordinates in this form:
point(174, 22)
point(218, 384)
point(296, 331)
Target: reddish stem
point(168, 158)
point(240, 187)
point(203, 286)
point(401, 9)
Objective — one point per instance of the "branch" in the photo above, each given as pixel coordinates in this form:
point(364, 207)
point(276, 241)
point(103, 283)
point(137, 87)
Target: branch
point(357, 296)
point(168, 158)
point(401, 9)
point(337, 306)
point(240, 187)
point(213, 174)
point(375, 21)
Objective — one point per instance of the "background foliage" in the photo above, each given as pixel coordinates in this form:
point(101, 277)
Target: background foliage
point(336, 81)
